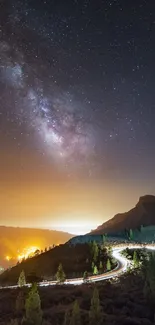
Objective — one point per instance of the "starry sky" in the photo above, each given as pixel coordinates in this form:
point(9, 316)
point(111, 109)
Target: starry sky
point(77, 110)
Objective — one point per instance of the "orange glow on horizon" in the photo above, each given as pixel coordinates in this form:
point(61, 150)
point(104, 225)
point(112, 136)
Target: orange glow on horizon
point(28, 252)
point(76, 228)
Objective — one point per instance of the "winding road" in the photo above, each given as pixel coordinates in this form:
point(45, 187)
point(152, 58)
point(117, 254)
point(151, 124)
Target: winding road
point(122, 264)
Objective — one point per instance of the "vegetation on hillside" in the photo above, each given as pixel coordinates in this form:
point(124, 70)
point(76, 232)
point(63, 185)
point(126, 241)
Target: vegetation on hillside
point(127, 301)
point(141, 234)
point(73, 259)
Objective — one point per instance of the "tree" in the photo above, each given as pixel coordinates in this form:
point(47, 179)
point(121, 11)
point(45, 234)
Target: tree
point(128, 270)
point(60, 275)
point(135, 259)
point(22, 280)
point(37, 252)
point(101, 266)
point(150, 275)
point(92, 266)
point(110, 251)
point(94, 251)
point(75, 315)
point(20, 302)
point(141, 228)
point(130, 234)
point(95, 271)
point(108, 265)
point(95, 309)
point(33, 312)
point(85, 277)
point(104, 238)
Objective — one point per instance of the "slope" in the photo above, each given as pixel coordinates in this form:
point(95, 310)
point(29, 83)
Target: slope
point(142, 214)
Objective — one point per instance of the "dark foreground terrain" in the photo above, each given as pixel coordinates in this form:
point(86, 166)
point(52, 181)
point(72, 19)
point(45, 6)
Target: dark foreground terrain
point(122, 303)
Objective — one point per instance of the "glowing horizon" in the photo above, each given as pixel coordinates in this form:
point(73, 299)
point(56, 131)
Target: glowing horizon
point(75, 228)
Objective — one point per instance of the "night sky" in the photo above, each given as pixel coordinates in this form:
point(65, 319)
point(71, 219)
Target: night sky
point(77, 110)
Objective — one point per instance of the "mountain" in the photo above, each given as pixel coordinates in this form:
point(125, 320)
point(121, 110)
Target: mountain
point(142, 214)
point(15, 241)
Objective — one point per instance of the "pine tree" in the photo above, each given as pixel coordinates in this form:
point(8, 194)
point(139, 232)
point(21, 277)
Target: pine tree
point(95, 309)
point(104, 238)
point(101, 266)
point(60, 275)
point(108, 265)
point(22, 280)
point(135, 259)
point(75, 316)
point(33, 312)
point(95, 271)
point(150, 275)
point(85, 277)
point(130, 234)
point(96, 252)
point(128, 270)
point(141, 228)
point(92, 266)
point(110, 251)
point(37, 252)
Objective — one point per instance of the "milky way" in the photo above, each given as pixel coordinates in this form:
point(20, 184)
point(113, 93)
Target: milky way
point(64, 132)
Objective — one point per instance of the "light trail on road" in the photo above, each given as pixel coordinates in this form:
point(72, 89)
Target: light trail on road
point(122, 264)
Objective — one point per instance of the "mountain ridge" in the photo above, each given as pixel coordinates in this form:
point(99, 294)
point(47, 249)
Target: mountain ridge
point(142, 214)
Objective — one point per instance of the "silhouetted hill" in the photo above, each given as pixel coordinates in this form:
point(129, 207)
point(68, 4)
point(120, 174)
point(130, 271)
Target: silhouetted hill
point(75, 260)
point(142, 214)
point(14, 240)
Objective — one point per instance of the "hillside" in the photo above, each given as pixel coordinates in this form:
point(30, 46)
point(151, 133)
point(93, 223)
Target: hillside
point(121, 302)
point(75, 260)
point(14, 240)
point(142, 214)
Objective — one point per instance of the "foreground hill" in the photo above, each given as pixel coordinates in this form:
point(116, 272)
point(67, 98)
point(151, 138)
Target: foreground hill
point(14, 240)
point(122, 303)
point(142, 214)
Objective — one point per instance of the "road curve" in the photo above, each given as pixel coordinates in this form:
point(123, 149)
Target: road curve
point(122, 264)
